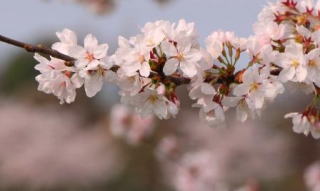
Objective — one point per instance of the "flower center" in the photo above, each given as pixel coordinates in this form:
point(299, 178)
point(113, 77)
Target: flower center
point(312, 63)
point(150, 42)
point(89, 57)
point(302, 19)
point(254, 86)
point(295, 63)
point(180, 57)
point(153, 98)
point(141, 59)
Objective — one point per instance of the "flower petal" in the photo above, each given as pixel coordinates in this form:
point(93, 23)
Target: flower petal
point(90, 43)
point(93, 85)
point(170, 66)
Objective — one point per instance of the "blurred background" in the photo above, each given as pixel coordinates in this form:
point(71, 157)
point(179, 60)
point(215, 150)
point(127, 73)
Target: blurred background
point(92, 145)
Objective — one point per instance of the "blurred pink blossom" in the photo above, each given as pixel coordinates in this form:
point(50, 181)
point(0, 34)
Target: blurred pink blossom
point(127, 124)
point(45, 147)
point(168, 148)
point(312, 177)
point(196, 171)
point(224, 156)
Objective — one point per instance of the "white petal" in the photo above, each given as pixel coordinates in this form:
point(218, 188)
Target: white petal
point(77, 81)
point(40, 58)
point(230, 101)
point(90, 43)
point(258, 101)
point(123, 42)
point(241, 89)
point(67, 36)
point(145, 69)
point(77, 52)
point(290, 115)
point(94, 65)
point(286, 74)
point(170, 66)
point(160, 109)
point(93, 85)
point(242, 113)
point(301, 74)
point(101, 51)
point(188, 68)
point(61, 47)
point(207, 89)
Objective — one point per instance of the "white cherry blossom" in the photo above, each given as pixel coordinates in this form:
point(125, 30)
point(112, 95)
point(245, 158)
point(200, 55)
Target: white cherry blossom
point(151, 101)
point(313, 67)
point(293, 64)
point(302, 125)
point(253, 88)
point(155, 32)
point(133, 56)
point(183, 56)
point(90, 53)
point(211, 111)
point(266, 33)
point(305, 6)
point(68, 40)
point(57, 79)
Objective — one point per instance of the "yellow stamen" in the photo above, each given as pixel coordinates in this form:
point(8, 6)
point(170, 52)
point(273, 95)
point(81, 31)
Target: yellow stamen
point(302, 19)
point(254, 86)
point(141, 59)
point(312, 63)
point(89, 57)
point(153, 98)
point(180, 57)
point(295, 63)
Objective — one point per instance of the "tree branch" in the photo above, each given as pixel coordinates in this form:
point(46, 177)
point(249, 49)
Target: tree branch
point(38, 49)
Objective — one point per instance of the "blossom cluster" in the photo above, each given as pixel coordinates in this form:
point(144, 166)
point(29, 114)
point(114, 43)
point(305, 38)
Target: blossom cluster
point(149, 67)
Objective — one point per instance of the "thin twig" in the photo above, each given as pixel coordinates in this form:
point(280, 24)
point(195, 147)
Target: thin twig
point(38, 49)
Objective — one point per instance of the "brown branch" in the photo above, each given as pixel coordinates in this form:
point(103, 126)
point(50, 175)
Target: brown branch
point(178, 80)
point(38, 49)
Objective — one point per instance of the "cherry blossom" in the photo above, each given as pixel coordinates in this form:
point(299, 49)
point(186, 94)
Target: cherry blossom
point(133, 56)
point(181, 55)
point(256, 87)
point(57, 79)
point(152, 101)
point(305, 123)
point(293, 63)
point(68, 40)
point(209, 101)
point(129, 125)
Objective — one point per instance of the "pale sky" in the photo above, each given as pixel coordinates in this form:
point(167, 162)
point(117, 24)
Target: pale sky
point(28, 20)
